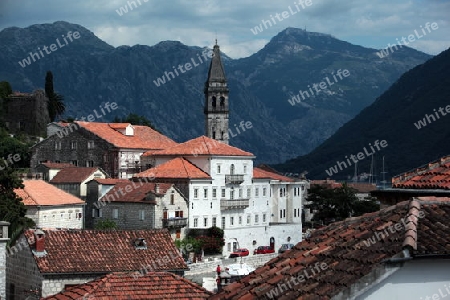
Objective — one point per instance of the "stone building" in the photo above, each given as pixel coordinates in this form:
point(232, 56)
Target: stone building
point(137, 205)
point(50, 261)
point(114, 147)
point(253, 206)
point(49, 169)
point(73, 179)
point(27, 113)
point(50, 207)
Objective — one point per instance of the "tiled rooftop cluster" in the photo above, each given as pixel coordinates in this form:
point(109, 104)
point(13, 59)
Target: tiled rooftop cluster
point(435, 175)
point(125, 286)
point(91, 251)
point(348, 253)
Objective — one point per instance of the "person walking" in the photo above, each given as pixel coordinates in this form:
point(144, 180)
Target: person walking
point(218, 270)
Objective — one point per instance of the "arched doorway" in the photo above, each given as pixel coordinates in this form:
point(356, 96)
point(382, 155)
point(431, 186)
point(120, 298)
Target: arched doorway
point(272, 243)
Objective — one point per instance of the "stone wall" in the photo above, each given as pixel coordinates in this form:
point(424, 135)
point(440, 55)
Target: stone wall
point(51, 286)
point(101, 155)
point(21, 271)
point(27, 113)
point(128, 218)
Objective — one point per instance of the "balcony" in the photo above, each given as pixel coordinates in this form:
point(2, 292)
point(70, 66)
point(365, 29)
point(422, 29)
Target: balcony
point(234, 179)
point(174, 222)
point(226, 204)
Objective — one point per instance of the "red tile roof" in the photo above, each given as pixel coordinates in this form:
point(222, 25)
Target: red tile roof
point(363, 187)
point(200, 146)
point(144, 137)
point(347, 251)
point(435, 175)
point(94, 251)
point(134, 191)
point(177, 168)
point(52, 165)
point(263, 174)
point(109, 181)
point(125, 286)
point(39, 192)
point(74, 174)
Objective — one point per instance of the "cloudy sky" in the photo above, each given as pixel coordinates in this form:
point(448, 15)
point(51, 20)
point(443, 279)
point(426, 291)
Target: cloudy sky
point(373, 23)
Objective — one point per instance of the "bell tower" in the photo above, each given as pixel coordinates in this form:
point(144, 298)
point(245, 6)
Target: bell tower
point(216, 100)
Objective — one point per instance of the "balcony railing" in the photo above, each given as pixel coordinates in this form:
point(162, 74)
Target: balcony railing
point(174, 222)
point(234, 204)
point(234, 179)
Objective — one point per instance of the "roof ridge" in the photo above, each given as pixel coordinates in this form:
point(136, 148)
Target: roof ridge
point(411, 224)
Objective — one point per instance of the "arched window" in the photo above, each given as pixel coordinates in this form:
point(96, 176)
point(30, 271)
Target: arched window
point(214, 135)
point(222, 101)
point(172, 198)
point(213, 101)
point(232, 169)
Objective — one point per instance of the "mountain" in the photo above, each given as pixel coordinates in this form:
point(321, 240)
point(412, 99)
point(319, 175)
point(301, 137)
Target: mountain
point(412, 116)
point(89, 72)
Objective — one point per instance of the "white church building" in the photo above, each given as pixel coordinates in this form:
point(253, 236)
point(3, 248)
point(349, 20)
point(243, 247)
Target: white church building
point(254, 206)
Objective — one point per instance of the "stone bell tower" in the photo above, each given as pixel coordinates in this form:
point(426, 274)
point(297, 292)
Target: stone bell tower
point(216, 100)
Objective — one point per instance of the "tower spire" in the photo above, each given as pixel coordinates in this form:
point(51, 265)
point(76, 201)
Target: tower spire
point(216, 99)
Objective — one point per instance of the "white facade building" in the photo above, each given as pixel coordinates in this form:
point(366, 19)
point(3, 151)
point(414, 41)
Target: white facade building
point(255, 207)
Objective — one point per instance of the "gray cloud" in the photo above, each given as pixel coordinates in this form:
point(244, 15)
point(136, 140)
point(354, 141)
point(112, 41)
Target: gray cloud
point(194, 22)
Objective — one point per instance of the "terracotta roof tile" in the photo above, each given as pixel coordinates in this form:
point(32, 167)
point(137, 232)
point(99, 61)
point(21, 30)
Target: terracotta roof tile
point(39, 192)
point(144, 137)
point(200, 146)
point(434, 175)
point(52, 165)
point(179, 168)
point(93, 251)
point(109, 181)
point(350, 249)
point(74, 174)
point(125, 286)
point(134, 191)
point(263, 174)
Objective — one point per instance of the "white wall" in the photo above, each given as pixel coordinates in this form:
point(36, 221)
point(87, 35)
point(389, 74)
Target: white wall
point(57, 216)
point(415, 280)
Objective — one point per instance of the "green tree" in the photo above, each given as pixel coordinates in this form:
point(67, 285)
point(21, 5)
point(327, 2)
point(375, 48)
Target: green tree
point(56, 106)
point(135, 120)
point(5, 89)
point(106, 225)
point(330, 205)
point(12, 209)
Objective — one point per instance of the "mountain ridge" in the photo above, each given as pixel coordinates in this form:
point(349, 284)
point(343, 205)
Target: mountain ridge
point(89, 72)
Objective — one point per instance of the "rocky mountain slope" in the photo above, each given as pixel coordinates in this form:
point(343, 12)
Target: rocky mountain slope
point(89, 72)
point(412, 116)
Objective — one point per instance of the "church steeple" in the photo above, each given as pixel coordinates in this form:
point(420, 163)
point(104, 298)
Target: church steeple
point(216, 99)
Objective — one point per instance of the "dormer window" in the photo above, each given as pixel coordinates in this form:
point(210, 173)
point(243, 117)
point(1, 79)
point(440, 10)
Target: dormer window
point(124, 128)
point(140, 243)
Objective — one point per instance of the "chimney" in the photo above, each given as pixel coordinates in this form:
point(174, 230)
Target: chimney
point(157, 188)
point(39, 237)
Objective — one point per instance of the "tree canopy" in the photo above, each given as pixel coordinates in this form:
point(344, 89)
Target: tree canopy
point(135, 119)
point(56, 106)
point(330, 205)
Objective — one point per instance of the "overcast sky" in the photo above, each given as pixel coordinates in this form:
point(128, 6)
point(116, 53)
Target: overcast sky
point(373, 23)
